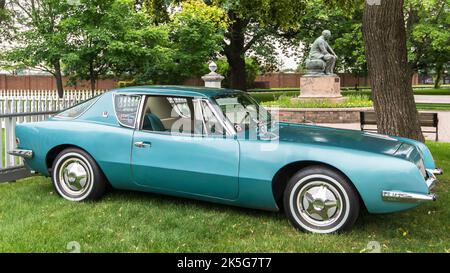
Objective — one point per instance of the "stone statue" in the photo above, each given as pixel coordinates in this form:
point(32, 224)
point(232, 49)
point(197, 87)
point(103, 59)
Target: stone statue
point(322, 59)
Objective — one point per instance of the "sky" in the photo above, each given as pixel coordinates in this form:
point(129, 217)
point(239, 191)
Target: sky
point(288, 62)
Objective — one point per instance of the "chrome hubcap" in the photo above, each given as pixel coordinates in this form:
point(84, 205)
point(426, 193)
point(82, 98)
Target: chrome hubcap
point(319, 203)
point(74, 176)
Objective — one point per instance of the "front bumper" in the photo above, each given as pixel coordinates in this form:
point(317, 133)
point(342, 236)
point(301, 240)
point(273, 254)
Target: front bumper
point(27, 154)
point(409, 197)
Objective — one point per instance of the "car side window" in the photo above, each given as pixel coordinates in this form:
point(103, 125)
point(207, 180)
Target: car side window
point(168, 114)
point(127, 107)
point(77, 110)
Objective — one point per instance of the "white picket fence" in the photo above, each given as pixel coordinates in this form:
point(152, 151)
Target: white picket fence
point(20, 106)
point(27, 101)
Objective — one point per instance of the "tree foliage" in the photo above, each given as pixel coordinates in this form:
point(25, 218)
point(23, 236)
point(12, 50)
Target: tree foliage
point(2, 10)
point(179, 48)
point(196, 35)
point(105, 36)
point(37, 35)
point(89, 39)
point(429, 35)
point(168, 41)
point(427, 24)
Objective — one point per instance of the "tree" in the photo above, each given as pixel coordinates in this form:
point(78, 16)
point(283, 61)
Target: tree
point(158, 10)
point(196, 35)
point(251, 66)
point(38, 37)
point(192, 36)
point(251, 22)
point(2, 9)
point(428, 24)
point(254, 25)
point(97, 24)
point(3, 13)
point(385, 45)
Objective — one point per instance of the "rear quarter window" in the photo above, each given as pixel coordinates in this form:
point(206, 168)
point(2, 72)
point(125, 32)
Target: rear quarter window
point(126, 107)
point(77, 110)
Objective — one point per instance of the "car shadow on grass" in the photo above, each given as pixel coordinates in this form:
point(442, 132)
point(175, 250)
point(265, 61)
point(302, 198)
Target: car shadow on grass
point(366, 221)
point(166, 200)
point(417, 220)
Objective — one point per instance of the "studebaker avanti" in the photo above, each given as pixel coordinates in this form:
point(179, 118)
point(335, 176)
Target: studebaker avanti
point(220, 146)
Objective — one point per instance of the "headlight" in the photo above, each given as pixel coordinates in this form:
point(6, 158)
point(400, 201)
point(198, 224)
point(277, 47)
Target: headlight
point(421, 167)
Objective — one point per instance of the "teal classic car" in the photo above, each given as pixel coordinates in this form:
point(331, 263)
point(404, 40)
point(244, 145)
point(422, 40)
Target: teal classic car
point(220, 146)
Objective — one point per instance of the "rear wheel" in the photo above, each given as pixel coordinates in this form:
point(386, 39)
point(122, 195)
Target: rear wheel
point(77, 177)
point(320, 200)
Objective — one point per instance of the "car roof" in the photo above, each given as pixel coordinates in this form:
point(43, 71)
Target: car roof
point(177, 91)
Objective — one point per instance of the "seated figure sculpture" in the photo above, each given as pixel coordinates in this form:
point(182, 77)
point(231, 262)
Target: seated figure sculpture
point(322, 59)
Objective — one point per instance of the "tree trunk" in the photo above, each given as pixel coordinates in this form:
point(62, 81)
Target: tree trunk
point(235, 54)
point(58, 78)
point(2, 8)
point(389, 72)
point(439, 70)
point(93, 78)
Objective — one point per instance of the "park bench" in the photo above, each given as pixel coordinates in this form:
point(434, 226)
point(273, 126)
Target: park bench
point(428, 121)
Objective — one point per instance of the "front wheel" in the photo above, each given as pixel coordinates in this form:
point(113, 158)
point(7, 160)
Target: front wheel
point(77, 177)
point(320, 200)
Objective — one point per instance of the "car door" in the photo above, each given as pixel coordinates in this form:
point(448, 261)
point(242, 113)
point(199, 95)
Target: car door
point(175, 151)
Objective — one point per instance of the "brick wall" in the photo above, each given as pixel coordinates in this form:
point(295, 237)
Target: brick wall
point(326, 115)
point(272, 80)
point(35, 82)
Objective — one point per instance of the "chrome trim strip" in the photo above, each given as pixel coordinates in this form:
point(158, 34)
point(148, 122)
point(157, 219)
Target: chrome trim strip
point(27, 154)
point(436, 171)
point(221, 118)
point(198, 101)
point(140, 117)
point(407, 197)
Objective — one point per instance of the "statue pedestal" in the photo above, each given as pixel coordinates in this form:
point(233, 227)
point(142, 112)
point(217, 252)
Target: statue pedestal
point(320, 87)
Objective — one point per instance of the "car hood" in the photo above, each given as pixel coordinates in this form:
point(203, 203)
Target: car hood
point(348, 139)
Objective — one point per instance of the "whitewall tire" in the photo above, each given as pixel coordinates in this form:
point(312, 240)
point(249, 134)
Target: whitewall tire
point(320, 200)
point(77, 177)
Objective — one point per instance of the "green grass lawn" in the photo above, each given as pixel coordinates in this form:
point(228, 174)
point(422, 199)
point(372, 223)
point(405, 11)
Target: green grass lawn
point(433, 106)
point(34, 219)
point(351, 101)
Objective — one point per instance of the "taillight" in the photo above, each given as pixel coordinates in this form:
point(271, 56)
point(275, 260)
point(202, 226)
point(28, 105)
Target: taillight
point(17, 141)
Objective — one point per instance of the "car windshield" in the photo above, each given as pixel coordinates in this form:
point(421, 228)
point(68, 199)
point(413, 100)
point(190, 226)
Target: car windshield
point(243, 111)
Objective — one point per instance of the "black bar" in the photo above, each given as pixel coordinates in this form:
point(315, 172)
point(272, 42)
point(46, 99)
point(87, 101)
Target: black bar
point(14, 173)
point(241, 262)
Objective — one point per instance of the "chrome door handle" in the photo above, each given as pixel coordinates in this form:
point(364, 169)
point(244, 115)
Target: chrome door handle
point(142, 144)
